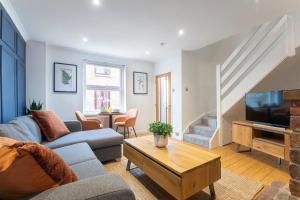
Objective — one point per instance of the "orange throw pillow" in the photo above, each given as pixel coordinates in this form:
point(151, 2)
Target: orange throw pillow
point(50, 124)
point(28, 168)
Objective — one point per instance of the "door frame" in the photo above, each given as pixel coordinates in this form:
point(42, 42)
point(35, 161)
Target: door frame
point(168, 74)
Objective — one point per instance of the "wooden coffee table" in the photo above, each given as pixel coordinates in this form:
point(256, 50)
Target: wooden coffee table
point(181, 169)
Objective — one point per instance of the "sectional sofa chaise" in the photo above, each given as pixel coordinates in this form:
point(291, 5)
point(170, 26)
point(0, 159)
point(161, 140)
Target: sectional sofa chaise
point(82, 151)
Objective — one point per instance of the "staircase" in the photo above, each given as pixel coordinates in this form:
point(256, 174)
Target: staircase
point(201, 132)
point(259, 54)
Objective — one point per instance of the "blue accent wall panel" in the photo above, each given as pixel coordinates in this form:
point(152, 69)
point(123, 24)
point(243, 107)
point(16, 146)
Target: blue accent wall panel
point(8, 31)
point(21, 45)
point(12, 70)
point(1, 121)
point(21, 83)
point(9, 104)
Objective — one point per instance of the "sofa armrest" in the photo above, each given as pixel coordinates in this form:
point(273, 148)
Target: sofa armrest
point(74, 126)
point(105, 187)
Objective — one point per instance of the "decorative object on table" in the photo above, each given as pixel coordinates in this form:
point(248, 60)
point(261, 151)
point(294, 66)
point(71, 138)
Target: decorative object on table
point(65, 78)
point(109, 110)
point(140, 83)
point(34, 106)
point(161, 132)
point(88, 124)
point(127, 121)
point(103, 108)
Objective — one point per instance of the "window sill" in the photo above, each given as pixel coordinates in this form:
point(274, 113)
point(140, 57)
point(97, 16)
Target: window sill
point(91, 114)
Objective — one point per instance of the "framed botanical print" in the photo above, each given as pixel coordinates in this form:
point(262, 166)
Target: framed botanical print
point(140, 83)
point(65, 78)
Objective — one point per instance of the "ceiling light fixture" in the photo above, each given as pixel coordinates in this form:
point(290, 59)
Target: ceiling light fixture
point(85, 39)
point(96, 2)
point(147, 53)
point(181, 32)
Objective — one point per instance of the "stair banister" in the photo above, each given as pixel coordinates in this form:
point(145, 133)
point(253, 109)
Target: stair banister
point(219, 101)
point(257, 55)
point(274, 30)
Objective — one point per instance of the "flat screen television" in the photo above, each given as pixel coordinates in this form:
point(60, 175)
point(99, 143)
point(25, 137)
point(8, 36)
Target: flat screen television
point(268, 108)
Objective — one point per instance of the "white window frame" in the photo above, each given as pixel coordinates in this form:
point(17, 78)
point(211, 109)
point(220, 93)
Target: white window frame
point(113, 88)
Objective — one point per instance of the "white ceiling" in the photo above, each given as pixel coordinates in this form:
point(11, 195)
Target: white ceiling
point(127, 28)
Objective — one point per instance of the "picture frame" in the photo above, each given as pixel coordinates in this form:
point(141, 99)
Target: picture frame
point(64, 78)
point(140, 83)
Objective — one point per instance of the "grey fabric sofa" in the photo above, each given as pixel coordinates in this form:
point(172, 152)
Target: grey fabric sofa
point(82, 151)
point(106, 143)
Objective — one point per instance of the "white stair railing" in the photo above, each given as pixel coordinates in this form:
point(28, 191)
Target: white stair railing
point(264, 49)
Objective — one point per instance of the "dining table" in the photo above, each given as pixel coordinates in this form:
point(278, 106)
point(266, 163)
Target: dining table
point(110, 115)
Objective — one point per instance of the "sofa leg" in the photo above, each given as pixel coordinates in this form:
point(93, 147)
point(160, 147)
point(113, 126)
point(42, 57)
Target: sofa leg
point(117, 128)
point(124, 132)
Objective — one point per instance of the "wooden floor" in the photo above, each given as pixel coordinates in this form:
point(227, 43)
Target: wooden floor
point(254, 165)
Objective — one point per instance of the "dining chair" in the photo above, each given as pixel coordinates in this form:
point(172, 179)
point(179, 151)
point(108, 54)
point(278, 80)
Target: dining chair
point(88, 124)
point(127, 121)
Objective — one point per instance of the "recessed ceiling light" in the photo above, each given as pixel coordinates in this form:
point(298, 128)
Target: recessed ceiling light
point(96, 2)
point(147, 53)
point(181, 32)
point(85, 39)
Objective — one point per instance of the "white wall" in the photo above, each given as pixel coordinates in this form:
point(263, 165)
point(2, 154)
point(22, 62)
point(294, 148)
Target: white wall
point(66, 104)
point(198, 86)
point(296, 18)
point(284, 77)
point(194, 80)
point(199, 77)
point(36, 72)
point(172, 64)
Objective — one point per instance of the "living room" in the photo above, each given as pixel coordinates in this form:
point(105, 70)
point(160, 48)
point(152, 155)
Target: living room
point(106, 99)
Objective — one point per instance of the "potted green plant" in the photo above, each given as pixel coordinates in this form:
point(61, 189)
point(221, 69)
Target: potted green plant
point(34, 106)
point(161, 132)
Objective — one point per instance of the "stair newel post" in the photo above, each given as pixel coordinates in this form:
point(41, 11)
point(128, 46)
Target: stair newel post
point(294, 168)
point(219, 103)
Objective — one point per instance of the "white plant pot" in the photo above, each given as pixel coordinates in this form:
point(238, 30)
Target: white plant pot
point(160, 141)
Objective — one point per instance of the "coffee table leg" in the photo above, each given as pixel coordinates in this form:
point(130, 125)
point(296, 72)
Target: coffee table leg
point(128, 165)
point(212, 192)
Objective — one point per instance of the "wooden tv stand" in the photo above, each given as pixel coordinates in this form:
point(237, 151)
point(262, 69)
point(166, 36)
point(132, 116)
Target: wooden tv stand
point(268, 139)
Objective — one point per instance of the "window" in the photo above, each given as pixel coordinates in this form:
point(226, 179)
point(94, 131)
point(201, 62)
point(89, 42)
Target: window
point(104, 88)
point(102, 71)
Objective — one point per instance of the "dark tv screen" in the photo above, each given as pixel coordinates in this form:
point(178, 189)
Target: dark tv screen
point(268, 108)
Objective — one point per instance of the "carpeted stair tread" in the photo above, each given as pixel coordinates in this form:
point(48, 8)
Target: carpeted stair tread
point(202, 130)
point(210, 121)
point(197, 139)
point(201, 133)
